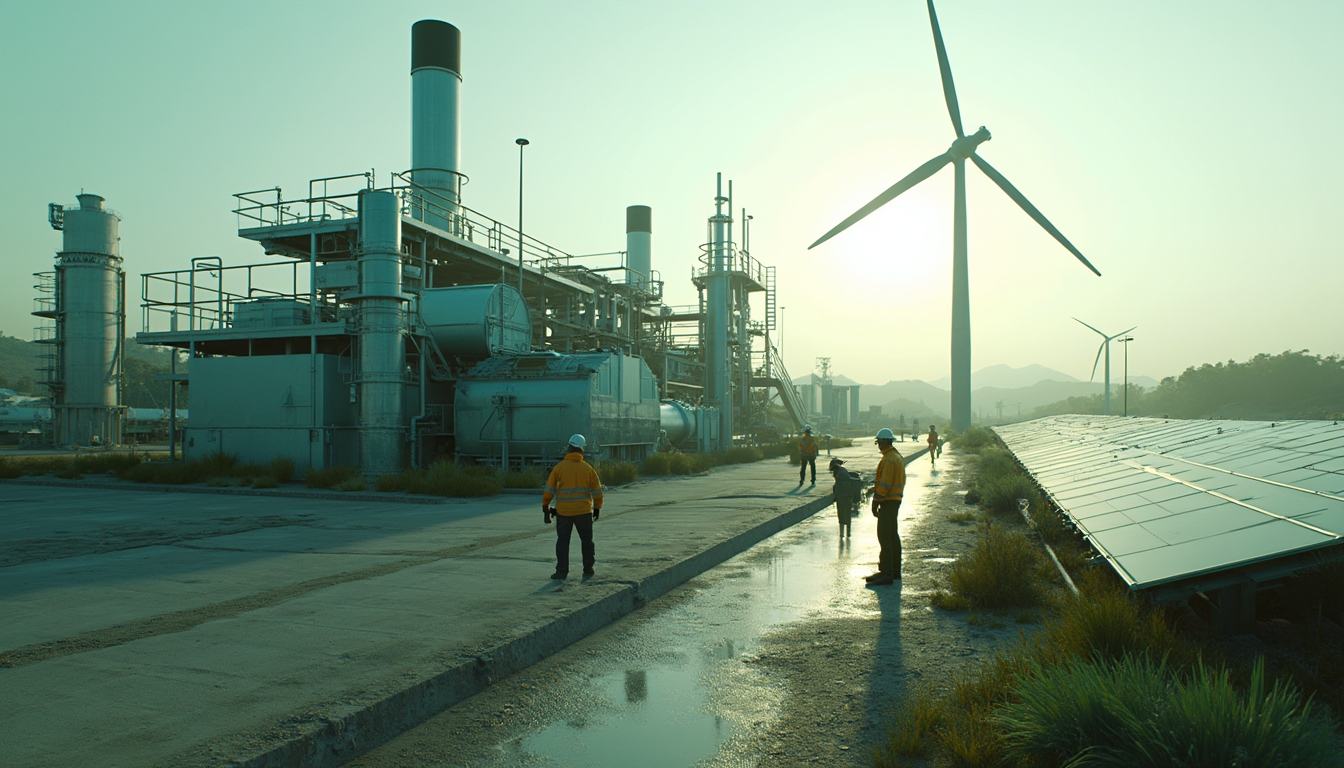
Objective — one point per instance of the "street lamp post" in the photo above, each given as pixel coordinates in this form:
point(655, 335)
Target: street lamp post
point(521, 143)
point(1126, 341)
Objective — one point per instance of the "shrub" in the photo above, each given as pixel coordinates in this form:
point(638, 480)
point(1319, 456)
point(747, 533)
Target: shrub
point(743, 454)
point(218, 482)
point(1107, 624)
point(328, 477)
point(976, 439)
point(1134, 711)
point(528, 478)
point(444, 478)
point(999, 572)
point(996, 462)
point(282, 469)
point(265, 481)
point(999, 494)
point(398, 483)
point(9, 469)
point(356, 483)
point(616, 472)
point(655, 465)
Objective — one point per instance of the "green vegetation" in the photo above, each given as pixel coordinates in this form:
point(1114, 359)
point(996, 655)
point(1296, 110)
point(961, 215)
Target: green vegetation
point(329, 477)
point(444, 478)
point(1290, 385)
point(1000, 572)
point(975, 440)
point(70, 467)
point(1108, 682)
point(356, 483)
point(616, 472)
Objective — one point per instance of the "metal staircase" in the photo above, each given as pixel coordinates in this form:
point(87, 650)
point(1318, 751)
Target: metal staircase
point(772, 373)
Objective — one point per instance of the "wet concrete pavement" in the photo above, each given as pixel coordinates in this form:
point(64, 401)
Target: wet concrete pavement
point(144, 627)
point(682, 683)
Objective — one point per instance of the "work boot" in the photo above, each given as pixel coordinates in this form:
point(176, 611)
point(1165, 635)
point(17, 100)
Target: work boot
point(559, 576)
point(588, 571)
point(880, 580)
point(871, 577)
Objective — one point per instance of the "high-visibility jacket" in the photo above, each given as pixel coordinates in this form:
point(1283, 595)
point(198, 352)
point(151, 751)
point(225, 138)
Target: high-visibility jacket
point(575, 487)
point(889, 483)
point(807, 446)
point(933, 440)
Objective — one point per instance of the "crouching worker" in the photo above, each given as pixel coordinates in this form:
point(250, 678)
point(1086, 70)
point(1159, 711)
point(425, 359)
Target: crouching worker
point(577, 493)
point(847, 492)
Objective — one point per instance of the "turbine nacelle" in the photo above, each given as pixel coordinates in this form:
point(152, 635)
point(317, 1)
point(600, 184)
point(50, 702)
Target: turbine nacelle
point(965, 146)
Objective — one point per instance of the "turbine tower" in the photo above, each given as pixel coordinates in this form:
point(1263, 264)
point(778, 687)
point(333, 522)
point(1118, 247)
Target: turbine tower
point(1106, 347)
point(963, 148)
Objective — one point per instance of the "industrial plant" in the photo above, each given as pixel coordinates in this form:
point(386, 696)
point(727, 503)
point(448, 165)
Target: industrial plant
point(393, 325)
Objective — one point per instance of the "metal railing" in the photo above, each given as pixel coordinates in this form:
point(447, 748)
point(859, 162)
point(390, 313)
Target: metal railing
point(204, 298)
point(737, 261)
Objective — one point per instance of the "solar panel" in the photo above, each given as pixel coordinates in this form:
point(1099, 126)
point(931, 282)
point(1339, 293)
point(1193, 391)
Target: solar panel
point(1166, 500)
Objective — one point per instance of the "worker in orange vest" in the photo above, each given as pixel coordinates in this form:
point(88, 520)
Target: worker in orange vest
point(934, 447)
point(577, 492)
point(888, 487)
point(807, 452)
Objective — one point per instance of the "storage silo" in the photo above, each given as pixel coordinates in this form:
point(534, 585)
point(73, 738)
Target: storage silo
point(88, 307)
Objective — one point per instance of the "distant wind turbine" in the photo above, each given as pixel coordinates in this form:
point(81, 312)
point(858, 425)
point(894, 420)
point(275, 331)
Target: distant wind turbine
point(963, 148)
point(1105, 347)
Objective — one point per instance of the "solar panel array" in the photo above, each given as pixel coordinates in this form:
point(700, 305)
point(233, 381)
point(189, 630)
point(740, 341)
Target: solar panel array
point(1165, 500)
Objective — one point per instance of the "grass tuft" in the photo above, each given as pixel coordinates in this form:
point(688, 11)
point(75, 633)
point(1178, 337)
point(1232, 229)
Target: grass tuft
point(329, 477)
point(913, 727)
point(266, 481)
point(975, 439)
point(281, 468)
point(999, 572)
point(356, 483)
point(616, 472)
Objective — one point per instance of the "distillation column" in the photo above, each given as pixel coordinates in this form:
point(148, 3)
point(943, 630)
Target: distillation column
point(718, 361)
point(90, 327)
point(382, 350)
point(436, 148)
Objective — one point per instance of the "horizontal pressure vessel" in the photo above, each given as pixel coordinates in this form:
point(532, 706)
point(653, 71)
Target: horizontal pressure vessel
point(477, 320)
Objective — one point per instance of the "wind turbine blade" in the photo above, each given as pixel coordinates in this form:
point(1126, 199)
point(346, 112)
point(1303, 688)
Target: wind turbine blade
point(949, 90)
point(1122, 333)
point(1031, 210)
point(1094, 330)
point(919, 174)
point(1094, 362)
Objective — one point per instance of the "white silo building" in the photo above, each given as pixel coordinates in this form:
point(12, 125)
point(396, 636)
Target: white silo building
point(84, 300)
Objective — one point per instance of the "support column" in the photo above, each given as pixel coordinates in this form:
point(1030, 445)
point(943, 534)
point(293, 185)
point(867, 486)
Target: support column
point(382, 350)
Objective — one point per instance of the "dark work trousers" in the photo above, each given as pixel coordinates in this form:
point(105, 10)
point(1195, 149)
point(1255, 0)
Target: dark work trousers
point(563, 525)
point(804, 464)
point(889, 538)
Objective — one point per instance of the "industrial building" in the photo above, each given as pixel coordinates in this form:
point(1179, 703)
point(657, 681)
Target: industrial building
point(394, 325)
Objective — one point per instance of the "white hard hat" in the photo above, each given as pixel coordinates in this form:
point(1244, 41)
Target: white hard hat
point(807, 427)
point(577, 441)
point(885, 434)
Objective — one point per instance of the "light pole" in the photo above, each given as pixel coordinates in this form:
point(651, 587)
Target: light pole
point(521, 143)
point(1126, 341)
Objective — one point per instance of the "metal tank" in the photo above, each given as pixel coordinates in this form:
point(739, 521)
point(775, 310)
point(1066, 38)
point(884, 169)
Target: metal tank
point(436, 149)
point(477, 320)
point(90, 325)
point(381, 378)
point(639, 246)
point(523, 409)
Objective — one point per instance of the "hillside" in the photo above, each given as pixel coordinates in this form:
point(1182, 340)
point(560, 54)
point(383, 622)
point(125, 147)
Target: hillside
point(19, 360)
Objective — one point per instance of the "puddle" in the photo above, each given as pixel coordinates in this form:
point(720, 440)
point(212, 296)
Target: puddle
point(672, 688)
point(940, 559)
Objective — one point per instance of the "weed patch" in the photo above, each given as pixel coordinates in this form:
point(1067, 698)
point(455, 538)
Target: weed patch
point(329, 477)
point(616, 472)
point(1000, 572)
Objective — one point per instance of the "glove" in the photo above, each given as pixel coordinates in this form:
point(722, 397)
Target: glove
point(874, 505)
point(596, 512)
point(546, 513)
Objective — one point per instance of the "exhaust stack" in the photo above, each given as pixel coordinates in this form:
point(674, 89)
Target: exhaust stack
point(436, 149)
point(638, 246)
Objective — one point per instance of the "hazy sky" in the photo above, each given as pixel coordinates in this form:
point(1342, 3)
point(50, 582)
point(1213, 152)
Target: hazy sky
point(1186, 148)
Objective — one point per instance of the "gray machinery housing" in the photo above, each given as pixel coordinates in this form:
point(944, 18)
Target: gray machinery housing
point(84, 299)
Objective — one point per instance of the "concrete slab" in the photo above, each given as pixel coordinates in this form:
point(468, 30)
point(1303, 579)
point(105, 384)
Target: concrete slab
point(184, 629)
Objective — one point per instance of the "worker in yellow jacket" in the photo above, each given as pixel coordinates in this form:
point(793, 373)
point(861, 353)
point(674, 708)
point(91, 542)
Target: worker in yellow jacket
point(888, 487)
point(807, 451)
point(577, 492)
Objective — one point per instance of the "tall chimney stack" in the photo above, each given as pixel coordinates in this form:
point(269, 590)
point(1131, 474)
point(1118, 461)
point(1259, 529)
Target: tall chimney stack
point(436, 149)
point(638, 246)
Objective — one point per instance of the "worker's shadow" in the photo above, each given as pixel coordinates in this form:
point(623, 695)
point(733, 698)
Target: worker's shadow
point(802, 490)
point(887, 678)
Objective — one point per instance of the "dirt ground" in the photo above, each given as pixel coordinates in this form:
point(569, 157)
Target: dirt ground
point(813, 691)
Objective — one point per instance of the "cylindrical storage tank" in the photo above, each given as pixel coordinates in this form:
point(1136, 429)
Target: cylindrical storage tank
point(477, 320)
point(91, 318)
point(638, 245)
point(677, 421)
point(381, 321)
point(436, 82)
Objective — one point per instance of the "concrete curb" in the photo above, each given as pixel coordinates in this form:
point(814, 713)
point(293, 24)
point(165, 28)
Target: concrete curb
point(337, 740)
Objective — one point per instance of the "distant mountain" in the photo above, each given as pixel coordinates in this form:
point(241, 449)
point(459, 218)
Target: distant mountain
point(840, 381)
point(1008, 377)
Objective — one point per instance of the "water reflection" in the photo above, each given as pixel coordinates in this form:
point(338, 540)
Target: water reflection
point(636, 685)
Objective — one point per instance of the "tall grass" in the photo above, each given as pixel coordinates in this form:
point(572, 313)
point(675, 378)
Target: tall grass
point(1135, 712)
point(616, 472)
point(444, 478)
point(1001, 571)
point(69, 466)
point(329, 477)
point(975, 439)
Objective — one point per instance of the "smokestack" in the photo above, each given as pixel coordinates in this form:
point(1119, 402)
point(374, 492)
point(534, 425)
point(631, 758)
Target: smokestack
point(436, 81)
point(638, 246)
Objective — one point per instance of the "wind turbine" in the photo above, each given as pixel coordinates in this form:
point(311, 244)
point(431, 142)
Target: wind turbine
point(962, 148)
point(1105, 346)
